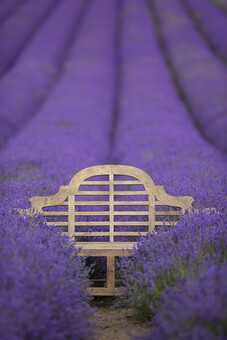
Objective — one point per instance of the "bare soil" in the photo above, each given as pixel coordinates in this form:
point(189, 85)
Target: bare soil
point(115, 321)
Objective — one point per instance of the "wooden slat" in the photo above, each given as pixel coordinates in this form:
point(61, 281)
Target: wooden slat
point(58, 224)
point(151, 209)
point(129, 213)
point(106, 233)
point(89, 193)
point(146, 203)
point(92, 203)
point(92, 223)
point(111, 178)
point(106, 245)
point(166, 223)
point(92, 213)
point(92, 233)
point(127, 182)
point(55, 213)
point(95, 183)
point(132, 223)
point(99, 291)
point(110, 272)
point(65, 233)
point(133, 192)
point(71, 217)
point(130, 233)
point(105, 248)
point(167, 213)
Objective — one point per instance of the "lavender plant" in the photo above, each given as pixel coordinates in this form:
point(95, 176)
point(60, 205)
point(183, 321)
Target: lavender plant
point(36, 70)
point(221, 3)
point(195, 309)
point(18, 29)
point(202, 77)
point(164, 258)
point(8, 7)
point(212, 21)
point(41, 284)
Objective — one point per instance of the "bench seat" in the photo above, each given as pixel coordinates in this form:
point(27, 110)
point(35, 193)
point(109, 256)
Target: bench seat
point(106, 248)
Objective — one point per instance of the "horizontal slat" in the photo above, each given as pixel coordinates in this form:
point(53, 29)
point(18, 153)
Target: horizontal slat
point(92, 203)
point(96, 193)
point(145, 203)
point(132, 223)
point(92, 233)
point(92, 213)
point(114, 182)
point(106, 245)
point(92, 223)
point(105, 248)
point(118, 223)
point(55, 213)
point(167, 213)
point(95, 183)
point(133, 192)
point(99, 291)
point(127, 182)
point(64, 233)
point(58, 224)
point(130, 233)
point(166, 223)
point(117, 233)
point(129, 213)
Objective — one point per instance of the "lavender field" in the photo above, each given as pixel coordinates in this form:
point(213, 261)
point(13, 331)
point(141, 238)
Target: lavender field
point(131, 82)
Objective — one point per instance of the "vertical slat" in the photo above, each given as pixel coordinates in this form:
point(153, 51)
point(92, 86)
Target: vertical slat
point(151, 211)
point(71, 207)
point(111, 207)
point(111, 272)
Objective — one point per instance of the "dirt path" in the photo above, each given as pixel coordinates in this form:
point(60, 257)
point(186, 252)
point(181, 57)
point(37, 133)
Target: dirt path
point(116, 322)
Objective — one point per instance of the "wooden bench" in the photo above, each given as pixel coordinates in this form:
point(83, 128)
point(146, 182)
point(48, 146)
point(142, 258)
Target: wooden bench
point(105, 209)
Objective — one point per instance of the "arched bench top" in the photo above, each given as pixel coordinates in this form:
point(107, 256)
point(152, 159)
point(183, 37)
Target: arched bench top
point(111, 169)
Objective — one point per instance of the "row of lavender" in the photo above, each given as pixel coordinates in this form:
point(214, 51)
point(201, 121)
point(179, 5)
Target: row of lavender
point(19, 28)
point(212, 21)
point(29, 81)
point(170, 277)
point(8, 7)
point(70, 132)
point(222, 4)
point(201, 75)
point(204, 90)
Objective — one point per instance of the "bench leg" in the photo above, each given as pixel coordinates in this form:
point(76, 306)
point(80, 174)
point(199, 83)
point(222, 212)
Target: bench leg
point(111, 272)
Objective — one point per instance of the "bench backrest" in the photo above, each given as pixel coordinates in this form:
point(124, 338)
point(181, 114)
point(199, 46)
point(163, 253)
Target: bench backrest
point(115, 202)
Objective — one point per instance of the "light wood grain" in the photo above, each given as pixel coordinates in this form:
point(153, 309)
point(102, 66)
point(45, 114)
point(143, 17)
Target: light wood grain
point(55, 213)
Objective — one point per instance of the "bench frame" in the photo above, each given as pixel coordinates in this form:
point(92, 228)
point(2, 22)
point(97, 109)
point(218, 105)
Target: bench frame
point(66, 197)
